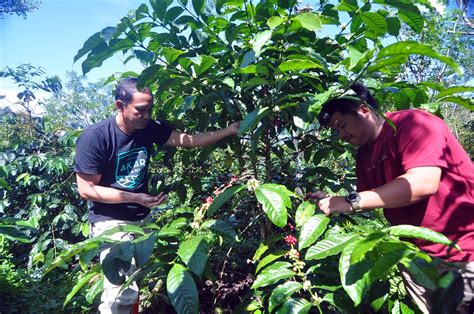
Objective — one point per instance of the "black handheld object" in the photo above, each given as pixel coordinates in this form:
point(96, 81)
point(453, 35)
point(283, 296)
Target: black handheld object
point(364, 94)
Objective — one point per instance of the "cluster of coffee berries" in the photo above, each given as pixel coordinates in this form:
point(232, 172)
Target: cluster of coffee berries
point(293, 254)
point(291, 239)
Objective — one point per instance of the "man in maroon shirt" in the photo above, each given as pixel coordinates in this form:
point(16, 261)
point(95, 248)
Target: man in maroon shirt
point(418, 172)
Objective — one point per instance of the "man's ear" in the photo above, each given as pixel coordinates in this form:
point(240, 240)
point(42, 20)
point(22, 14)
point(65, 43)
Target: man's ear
point(119, 104)
point(364, 109)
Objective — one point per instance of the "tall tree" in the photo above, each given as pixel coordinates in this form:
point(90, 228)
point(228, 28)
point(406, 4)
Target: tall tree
point(19, 7)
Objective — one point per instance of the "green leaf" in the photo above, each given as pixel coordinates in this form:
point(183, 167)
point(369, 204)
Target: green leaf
point(274, 22)
point(282, 292)
point(268, 259)
point(391, 254)
point(91, 43)
point(117, 262)
point(198, 6)
point(261, 40)
point(171, 54)
point(202, 63)
point(295, 306)
point(5, 184)
point(304, 212)
point(295, 65)
point(330, 246)
point(387, 62)
point(375, 23)
point(251, 120)
point(182, 290)
point(144, 248)
point(222, 228)
point(393, 25)
point(413, 47)
point(413, 19)
point(347, 5)
point(409, 231)
point(78, 286)
point(223, 198)
point(366, 245)
point(12, 233)
point(466, 103)
point(272, 274)
point(353, 276)
point(274, 199)
point(172, 14)
point(319, 99)
point(193, 252)
point(312, 229)
point(94, 290)
point(454, 90)
point(309, 20)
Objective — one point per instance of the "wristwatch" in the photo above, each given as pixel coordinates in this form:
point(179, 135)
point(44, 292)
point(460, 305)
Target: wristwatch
point(353, 198)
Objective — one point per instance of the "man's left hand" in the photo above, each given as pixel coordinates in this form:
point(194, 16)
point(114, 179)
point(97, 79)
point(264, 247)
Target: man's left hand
point(335, 204)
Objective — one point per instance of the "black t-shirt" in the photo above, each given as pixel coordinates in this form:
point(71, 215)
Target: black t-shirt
point(121, 160)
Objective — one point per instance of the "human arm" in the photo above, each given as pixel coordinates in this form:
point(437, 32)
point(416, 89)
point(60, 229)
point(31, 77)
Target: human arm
point(201, 139)
point(413, 186)
point(89, 189)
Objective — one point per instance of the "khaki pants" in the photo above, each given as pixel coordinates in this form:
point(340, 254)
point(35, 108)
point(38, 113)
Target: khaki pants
point(421, 296)
point(112, 300)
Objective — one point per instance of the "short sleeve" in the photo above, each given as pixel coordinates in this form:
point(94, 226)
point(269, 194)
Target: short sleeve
point(160, 131)
point(90, 153)
point(422, 140)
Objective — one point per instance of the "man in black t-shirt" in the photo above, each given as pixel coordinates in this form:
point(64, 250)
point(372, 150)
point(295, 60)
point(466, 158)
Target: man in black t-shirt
point(111, 164)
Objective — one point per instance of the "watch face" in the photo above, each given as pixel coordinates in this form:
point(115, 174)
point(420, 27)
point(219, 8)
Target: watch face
point(353, 197)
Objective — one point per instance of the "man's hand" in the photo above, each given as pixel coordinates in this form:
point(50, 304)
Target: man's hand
point(149, 200)
point(334, 204)
point(234, 128)
point(315, 196)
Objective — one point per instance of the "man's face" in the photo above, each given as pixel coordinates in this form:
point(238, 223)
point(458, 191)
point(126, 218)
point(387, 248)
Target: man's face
point(138, 111)
point(354, 129)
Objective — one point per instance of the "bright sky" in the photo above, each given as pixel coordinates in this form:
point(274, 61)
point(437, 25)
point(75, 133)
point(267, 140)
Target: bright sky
point(51, 36)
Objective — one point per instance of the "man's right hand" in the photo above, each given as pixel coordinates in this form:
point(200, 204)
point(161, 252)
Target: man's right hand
point(316, 196)
point(149, 200)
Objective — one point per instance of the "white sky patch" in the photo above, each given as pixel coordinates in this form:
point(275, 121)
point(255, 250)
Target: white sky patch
point(436, 4)
point(10, 91)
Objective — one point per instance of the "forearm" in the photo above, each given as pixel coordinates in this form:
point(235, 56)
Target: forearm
point(407, 189)
point(97, 193)
point(199, 139)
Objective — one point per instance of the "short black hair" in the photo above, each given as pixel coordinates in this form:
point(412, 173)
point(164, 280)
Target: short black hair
point(343, 105)
point(347, 104)
point(126, 88)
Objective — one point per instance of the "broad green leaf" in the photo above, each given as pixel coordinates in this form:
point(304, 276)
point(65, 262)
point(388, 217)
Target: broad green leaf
point(466, 103)
point(78, 286)
point(347, 5)
point(172, 14)
point(282, 292)
point(320, 99)
point(413, 19)
point(202, 63)
point(222, 228)
point(312, 230)
point(261, 40)
point(117, 262)
point(295, 306)
point(87, 253)
point(173, 228)
point(182, 290)
point(413, 47)
point(358, 60)
point(193, 252)
point(144, 248)
point(432, 107)
point(94, 290)
point(382, 64)
point(353, 276)
point(423, 272)
point(409, 231)
point(171, 54)
point(309, 20)
point(375, 23)
point(123, 228)
point(198, 6)
point(12, 233)
point(365, 245)
point(91, 43)
point(330, 246)
point(268, 259)
point(454, 90)
point(5, 184)
point(295, 65)
point(274, 22)
point(304, 212)
point(251, 120)
point(274, 200)
point(223, 198)
point(272, 274)
point(160, 7)
point(393, 25)
point(391, 254)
